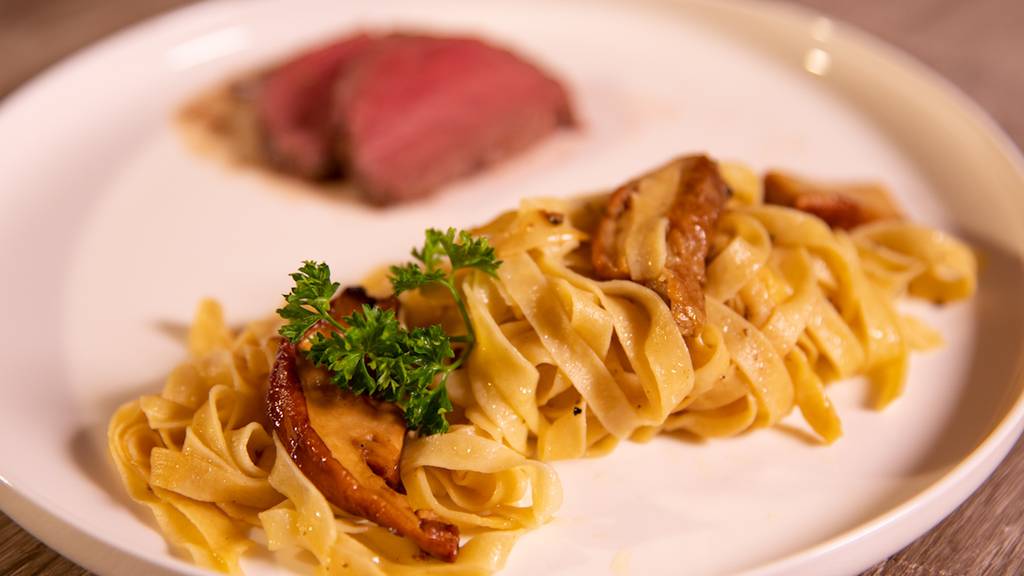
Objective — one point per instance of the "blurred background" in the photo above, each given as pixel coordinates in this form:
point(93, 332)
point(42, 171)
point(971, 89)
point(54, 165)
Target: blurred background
point(977, 44)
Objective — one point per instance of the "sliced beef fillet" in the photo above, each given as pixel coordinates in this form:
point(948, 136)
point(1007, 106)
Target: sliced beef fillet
point(418, 112)
point(349, 446)
point(402, 115)
point(292, 105)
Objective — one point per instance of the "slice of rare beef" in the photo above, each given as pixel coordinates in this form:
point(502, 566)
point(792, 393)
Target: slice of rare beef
point(417, 112)
point(293, 108)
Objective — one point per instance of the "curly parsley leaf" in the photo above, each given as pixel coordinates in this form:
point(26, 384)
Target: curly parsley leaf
point(462, 250)
point(411, 276)
point(465, 251)
point(427, 413)
point(309, 300)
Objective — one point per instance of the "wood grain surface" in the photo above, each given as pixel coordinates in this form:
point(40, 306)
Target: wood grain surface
point(979, 45)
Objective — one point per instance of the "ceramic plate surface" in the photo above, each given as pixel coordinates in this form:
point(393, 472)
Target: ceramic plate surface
point(111, 229)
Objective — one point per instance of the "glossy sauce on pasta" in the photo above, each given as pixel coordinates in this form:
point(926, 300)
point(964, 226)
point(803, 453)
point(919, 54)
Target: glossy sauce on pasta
point(565, 366)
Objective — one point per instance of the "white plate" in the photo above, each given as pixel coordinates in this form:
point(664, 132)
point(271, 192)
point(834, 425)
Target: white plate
point(112, 230)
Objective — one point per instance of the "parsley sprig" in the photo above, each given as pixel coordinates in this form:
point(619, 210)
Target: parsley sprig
point(369, 352)
point(309, 301)
point(375, 356)
point(462, 251)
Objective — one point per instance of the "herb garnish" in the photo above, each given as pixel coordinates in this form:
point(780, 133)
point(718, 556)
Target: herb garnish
point(463, 252)
point(370, 353)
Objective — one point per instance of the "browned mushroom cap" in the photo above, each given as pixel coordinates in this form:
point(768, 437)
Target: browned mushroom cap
point(688, 194)
point(840, 205)
point(349, 446)
point(345, 421)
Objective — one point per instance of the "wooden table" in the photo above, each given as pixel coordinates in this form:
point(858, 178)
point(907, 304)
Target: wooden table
point(979, 45)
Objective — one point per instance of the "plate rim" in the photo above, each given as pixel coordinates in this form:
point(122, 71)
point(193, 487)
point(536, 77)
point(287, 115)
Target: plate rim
point(915, 515)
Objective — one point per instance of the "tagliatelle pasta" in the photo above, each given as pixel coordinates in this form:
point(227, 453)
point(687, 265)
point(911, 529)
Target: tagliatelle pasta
point(200, 456)
point(565, 366)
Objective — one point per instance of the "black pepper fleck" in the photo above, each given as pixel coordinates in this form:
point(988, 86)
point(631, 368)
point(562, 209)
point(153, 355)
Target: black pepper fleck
point(554, 218)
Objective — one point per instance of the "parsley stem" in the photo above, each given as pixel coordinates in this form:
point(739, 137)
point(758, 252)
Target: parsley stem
point(330, 320)
point(470, 338)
